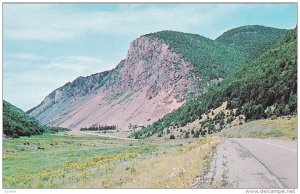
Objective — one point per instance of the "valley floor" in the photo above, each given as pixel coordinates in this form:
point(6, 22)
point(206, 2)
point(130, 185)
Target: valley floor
point(65, 161)
point(111, 160)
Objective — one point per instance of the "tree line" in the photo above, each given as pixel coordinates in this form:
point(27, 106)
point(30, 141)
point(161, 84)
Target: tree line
point(99, 128)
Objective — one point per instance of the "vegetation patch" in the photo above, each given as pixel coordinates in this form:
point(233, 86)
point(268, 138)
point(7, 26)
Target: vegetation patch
point(99, 128)
point(167, 167)
point(63, 161)
point(280, 128)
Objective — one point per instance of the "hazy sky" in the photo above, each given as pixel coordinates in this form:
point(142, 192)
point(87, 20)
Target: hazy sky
point(47, 45)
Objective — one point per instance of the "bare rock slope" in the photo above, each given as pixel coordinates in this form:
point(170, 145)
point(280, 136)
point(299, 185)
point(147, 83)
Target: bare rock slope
point(151, 82)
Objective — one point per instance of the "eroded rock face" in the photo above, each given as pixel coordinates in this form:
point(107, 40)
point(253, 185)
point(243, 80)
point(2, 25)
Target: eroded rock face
point(151, 65)
point(151, 82)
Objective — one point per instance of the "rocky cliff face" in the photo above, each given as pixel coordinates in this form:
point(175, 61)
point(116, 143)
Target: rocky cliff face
point(151, 82)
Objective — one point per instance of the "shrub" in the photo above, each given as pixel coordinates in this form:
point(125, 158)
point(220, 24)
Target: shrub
point(136, 136)
point(197, 134)
point(187, 135)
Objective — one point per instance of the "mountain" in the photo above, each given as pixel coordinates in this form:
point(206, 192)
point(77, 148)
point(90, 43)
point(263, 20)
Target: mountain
point(266, 87)
point(17, 123)
point(161, 72)
point(251, 40)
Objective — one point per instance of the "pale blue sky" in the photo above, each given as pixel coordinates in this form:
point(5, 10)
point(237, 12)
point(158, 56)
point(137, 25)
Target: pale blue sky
point(47, 45)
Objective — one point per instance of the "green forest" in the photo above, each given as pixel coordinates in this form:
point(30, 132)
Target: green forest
point(251, 40)
point(17, 123)
point(263, 88)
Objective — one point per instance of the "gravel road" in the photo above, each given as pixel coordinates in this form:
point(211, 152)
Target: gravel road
point(252, 163)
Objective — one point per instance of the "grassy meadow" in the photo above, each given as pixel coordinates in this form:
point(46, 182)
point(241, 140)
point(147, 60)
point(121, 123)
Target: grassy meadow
point(280, 128)
point(64, 161)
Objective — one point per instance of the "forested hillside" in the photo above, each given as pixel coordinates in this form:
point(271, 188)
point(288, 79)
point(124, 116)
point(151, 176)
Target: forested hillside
point(17, 123)
point(251, 40)
point(263, 88)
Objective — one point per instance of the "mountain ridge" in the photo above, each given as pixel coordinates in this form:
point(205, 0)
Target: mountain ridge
point(156, 75)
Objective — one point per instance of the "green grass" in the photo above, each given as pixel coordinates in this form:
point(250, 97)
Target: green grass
point(283, 128)
point(92, 162)
point(56, 161)
point(279, 128)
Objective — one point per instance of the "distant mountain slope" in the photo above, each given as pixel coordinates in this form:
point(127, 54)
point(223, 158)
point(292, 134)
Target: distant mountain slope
point(162, 71)
point(17, 123)
point(265, 87)
point(80, 87)
point(251, 40)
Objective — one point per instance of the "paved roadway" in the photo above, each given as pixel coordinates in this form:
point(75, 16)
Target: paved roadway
point(253, 163)
point(278, 156)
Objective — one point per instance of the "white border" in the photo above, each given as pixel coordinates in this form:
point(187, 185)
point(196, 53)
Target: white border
point(130, 191)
